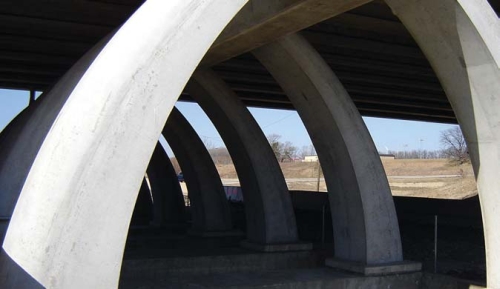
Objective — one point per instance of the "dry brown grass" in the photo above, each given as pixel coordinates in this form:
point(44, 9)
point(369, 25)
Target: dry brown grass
point(423, 178)
point(227, 171)
point(409, 167)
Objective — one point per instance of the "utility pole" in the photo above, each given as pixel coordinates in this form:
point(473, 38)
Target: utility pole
point(421, 146)
point(319, 175)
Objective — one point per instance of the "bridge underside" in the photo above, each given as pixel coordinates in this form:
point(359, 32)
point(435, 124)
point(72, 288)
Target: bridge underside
point(73, 164)
point(373, 54)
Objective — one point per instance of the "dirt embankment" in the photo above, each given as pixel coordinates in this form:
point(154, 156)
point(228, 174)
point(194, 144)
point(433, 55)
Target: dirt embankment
point(437, 167)
point(407, 177)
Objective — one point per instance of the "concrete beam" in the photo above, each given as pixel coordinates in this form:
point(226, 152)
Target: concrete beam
point(88, 12)
point(209, 206)
point(269, 211)
point(263, 21)
point(70, 223)
point(461, 40)
point(363, 214)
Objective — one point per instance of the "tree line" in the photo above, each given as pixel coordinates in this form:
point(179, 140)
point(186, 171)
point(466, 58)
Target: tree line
point(454, 148)
point(416, 154)
point(453, 144)
point(286, 151)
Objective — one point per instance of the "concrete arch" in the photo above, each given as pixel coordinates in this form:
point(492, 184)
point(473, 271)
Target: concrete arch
point(23, 137)
point(269, 211)
point(143, 209)
point(363, 214)
point(168, 201)
point(461, 40)
point(209, 206)
point(8, 136)
point(68, 230)
point(20, 143)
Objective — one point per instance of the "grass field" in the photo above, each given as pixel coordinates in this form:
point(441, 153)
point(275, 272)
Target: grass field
point(436, 178)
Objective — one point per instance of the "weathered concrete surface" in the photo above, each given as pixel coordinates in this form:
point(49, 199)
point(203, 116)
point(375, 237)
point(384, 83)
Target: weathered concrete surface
point(269, 212)
point(364, 219)
point(461, 40)
point(8, 196)
point(69, 226)
point(262, 21)
point(22, 138)
point(168, 200)
point(20, 143)
point(209, 206)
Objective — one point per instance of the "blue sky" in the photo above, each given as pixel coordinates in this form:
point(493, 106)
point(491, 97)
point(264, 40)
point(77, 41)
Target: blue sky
point(387, 133)
point(11, 103)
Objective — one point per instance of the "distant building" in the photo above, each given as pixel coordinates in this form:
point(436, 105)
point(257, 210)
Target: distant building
point(387, 156)
point(310, 159)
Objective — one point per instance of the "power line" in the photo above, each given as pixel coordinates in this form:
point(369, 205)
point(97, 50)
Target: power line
point(281, 119)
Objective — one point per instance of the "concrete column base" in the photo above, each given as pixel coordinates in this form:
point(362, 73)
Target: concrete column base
point(369, 270)
point(300, 246)
point(210, 234)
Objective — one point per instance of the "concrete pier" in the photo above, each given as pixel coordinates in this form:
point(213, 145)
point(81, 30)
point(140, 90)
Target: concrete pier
point(270, 218)
point(209, 207)
point(460, 40)
point(168, 200)
point(365, 222)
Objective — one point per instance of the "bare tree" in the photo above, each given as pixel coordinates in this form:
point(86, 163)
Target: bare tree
point(220, 156)
point(289, 152)
point(307, 151)
point(423, 154)
point(284, 151)
point(276, 145)
point(209, 144)
point(454, 144)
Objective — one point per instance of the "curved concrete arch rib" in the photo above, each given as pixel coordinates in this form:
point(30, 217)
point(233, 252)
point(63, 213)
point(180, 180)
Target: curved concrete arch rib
point(96, 152)
point(143, 209)
point(8, 181)
point(461, 40)
point(23, 137)
point(363, 214)
point(209, 206)
point(269, 211)
point(20, 143)
point(168, 200)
